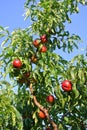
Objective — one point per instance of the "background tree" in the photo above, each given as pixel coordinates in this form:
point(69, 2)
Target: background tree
point(48, 91)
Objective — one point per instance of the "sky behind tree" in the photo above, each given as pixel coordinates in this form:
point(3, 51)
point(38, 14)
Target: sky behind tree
point(11, 15)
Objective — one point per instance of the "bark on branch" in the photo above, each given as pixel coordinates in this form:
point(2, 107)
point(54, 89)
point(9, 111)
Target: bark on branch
point(54, 125)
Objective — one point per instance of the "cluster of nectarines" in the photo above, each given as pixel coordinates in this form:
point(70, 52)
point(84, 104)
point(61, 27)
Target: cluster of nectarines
point(39, 43)
point(66, 86)
point(43, 39)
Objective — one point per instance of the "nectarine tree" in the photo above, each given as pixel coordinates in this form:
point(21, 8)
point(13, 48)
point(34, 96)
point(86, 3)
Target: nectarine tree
point(43, 83)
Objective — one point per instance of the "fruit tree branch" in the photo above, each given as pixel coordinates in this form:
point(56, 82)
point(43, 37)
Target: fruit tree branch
point(43, 109)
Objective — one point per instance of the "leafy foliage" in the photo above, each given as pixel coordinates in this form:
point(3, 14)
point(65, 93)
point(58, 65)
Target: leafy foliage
point(18, 109)
point(10, 117)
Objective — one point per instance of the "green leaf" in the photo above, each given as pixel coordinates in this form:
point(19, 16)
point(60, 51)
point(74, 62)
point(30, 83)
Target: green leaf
point(35, 117)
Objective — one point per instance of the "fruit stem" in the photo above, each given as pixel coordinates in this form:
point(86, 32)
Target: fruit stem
point(42, 108)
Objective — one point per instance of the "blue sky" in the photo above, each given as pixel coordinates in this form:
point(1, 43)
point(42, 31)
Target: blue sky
point(11, 14)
